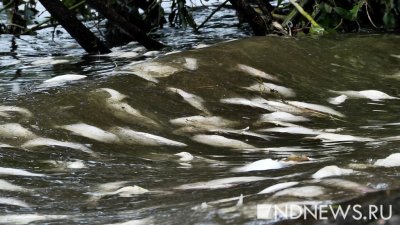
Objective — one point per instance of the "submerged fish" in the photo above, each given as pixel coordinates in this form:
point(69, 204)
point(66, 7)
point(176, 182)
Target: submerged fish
point(18, 172)
point(185, 156)
point(315, 107)
point(219, 183)
point(129, 136)
point(392, 160)
point(337, 100)
point(151, 69)
point(13, 202)
point(303, 192)
point(220, 141)
point(331, 137)
point(15, 130)
point(278, 187)
point(18, 219)
point(7, 186)
point(281, 116)
point(191, 64)
point(255, 72)
point(91, 132)
point(203, 121)
point(124, 111)
point(51, 142)
point(63, 79)
point(269, 88)
point(193, 100)
point(263, 164)
point(373, 95)
point(24, 112)
point(292, 130)
point(330, 171)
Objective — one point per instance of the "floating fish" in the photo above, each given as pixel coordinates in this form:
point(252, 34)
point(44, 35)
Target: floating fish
point(127, 191)
point(151, 69)
point(15, 130)
point(315, 107)
point(281, 116)
point(337, 100)
point(7, 186)
point(278, 187)
point(220, 141)
point(152, 53)
point(331, 137)
point(302, 192)
point(269, 88)
point(243, 132)
point(24, 112)
point(13, 202)
point(330, 171)
point(191, 64)
point(145, 221)
point(263, 164)
point(51, 142)
point(129, 136)
point(20, 219)
point(185, 156)
point(76, 164)
point(346, 185)
point(49, 61)
point(18, 172)
point(91, 132)
point(193, 100)
point(292, 130)
point(391, 161)
point(124, 111)
point(373, 95)
point(219, 183)
point(143, 76)
point(63, 79)
point(203, 121)
point(255, 72)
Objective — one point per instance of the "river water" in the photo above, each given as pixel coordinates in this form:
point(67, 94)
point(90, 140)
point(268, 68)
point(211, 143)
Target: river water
point(101, 162)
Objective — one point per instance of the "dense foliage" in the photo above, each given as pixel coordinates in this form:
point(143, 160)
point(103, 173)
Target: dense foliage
point(289, 17)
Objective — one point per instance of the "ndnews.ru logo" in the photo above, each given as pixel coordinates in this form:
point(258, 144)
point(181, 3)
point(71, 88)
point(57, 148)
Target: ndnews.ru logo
point(323, 212)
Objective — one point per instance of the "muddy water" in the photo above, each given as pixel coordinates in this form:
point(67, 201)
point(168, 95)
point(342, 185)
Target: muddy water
point(157, 186)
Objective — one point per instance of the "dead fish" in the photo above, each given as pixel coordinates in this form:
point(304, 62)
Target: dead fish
point(129, 136)
point(124, 111)
point(22, 111)
point(219, 183)
point(337, 100)
point(331, 137)
point(20, 219)
point(115, 96)
point(315, 107)
point(329, 171)
point(51, 142)
point(278, 187)
point(145, 221)
point(64, 78)
point(49, 61)
point(152, 53)
point(151, 69)
point(185, 156)
point(302, 192)
point(148, 78)
point(373, 95)
point(292, 130)
point(346, 185)
point(63, 165)
point(203, 121)
point(255, 72)
point(121, 54)
point(242, 132)
point(263, 164)
point(18, 172)
point(127, 191)
point(193, 100)
point(15, 130)
point(392, 160)
point(13, 202)
point(91, 132)
point(220, 141)
point(281, 116)
point(7, 186)
point(269, 88)
point(191, 64)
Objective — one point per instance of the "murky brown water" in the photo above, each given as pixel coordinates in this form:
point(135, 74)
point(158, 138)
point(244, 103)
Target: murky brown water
point(310, 68)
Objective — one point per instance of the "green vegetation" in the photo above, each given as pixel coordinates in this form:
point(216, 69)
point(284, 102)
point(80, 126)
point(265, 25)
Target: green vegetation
point(286, 18)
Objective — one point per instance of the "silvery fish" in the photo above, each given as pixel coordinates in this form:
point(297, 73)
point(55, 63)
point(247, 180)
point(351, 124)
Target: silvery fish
point(274, 89)
point(220, 141)
point(91, 132)
point(51, 142)
point(193, 100)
